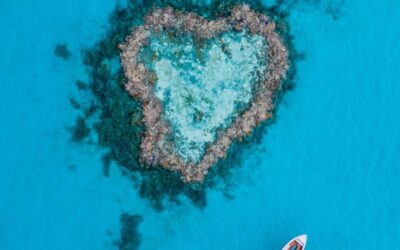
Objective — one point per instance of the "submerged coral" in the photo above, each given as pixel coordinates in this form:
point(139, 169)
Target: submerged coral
point(157, 147)
point(115, 118)
point(130, 237)
point(61, 50)
point(80, 131)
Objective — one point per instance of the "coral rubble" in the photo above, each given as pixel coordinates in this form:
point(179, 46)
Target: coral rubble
point(156, 147)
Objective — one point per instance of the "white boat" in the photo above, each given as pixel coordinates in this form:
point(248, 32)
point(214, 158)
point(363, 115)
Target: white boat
point(298, 243)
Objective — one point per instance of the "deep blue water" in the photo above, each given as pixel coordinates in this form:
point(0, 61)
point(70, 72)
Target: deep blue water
point(328, 167)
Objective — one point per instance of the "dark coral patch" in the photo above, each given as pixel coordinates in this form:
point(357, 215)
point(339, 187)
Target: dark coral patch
point(61, 50)
point(130, 238)
point(80, 131)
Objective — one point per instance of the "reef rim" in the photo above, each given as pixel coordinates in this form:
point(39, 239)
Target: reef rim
point(155, 148)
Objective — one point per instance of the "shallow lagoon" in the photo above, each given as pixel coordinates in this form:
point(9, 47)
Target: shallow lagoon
point(198, 98)
point(327, 167)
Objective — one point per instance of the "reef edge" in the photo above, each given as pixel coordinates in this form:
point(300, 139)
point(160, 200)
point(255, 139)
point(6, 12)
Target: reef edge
point(154, 149)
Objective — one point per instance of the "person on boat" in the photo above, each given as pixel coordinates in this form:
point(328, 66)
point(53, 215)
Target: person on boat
point(294, 245)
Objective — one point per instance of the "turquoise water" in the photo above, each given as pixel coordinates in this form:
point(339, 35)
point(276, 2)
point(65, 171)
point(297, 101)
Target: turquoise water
point(328, 167)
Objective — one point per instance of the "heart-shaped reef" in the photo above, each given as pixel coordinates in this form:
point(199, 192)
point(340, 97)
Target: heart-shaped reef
point(203, 84)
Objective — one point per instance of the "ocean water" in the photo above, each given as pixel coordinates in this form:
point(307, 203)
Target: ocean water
point(328, 167)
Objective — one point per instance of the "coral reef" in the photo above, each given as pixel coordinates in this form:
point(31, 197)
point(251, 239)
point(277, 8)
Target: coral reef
point(115, 118)
point(156, 149)
point(130, 237)
point(80, 131)
point(61, 50)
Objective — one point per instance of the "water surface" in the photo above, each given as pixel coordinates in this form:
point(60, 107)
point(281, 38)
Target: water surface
point(328, 167)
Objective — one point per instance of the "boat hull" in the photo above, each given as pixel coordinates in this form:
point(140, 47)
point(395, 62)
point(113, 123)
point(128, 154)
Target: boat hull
point(299, 241)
